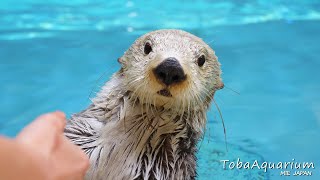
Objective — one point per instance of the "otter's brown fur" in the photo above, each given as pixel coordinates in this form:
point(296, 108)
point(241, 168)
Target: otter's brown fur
point(130, 131)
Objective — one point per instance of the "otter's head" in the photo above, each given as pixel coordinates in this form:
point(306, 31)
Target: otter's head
point(171, 68)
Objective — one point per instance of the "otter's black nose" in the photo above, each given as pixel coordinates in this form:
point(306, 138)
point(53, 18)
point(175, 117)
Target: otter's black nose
point(169, 71)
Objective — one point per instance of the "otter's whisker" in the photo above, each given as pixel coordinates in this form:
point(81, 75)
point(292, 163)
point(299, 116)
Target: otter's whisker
point(236, 92)
point(183, 106)
point(224, 128)
point(96, 82)
point(145, 110)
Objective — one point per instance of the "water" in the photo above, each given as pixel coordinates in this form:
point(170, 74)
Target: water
point(53, 54)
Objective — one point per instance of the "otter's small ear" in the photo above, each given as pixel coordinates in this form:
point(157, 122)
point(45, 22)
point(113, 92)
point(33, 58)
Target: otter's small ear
point(120, 60)
point(220, 85)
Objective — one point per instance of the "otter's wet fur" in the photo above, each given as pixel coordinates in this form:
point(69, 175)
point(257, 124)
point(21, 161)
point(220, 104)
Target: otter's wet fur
point(131, 131)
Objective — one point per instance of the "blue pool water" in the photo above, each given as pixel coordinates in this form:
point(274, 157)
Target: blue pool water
point(54, 54)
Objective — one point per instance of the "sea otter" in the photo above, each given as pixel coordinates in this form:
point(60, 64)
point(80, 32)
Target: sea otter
point(146, 121)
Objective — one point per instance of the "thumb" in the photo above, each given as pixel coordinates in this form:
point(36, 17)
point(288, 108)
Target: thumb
point(44, 131)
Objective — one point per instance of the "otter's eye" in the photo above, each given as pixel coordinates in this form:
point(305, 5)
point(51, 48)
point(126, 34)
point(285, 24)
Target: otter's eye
point(201, 60)
point(147, 48)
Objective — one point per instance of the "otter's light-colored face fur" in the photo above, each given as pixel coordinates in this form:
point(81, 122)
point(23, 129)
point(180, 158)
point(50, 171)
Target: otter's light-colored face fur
point(196, 90)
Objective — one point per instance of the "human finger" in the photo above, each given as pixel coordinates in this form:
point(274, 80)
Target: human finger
point(44, 131)
point(70, 161)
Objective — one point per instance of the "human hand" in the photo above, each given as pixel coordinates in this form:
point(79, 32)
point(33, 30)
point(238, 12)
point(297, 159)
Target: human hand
point(45, 153)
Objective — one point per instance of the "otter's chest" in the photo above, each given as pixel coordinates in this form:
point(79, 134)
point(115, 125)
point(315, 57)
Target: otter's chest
point(147, 147)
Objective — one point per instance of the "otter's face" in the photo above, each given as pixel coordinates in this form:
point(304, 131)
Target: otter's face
point(171, 68)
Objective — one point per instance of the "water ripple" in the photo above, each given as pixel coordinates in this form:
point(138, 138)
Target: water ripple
point(134, 16)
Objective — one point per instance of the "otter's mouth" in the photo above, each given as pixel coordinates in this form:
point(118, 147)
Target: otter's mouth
point(165, 92)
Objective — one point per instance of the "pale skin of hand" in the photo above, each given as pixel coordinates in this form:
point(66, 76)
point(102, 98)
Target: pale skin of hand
point(42, 152)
